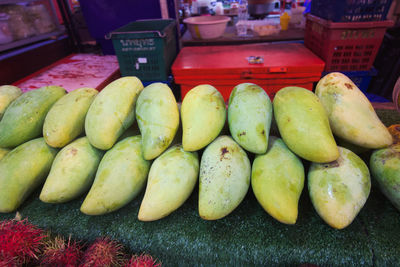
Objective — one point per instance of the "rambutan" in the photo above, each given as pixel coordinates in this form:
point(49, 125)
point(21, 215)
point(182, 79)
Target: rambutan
point(20, 241)
point(143, 260)
point(103, 252)
point(7, 262)
point(57, 252)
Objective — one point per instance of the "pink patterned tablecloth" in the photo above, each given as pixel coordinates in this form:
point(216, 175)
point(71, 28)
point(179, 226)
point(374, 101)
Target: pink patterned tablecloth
point(73, 72)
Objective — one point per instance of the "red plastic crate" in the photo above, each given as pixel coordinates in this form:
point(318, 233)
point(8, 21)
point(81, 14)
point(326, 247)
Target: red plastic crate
point(351, 10)
point(345, 46)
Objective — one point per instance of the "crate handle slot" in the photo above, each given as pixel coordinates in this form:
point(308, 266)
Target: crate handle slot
point(246, 75)
point(109, 35)
point(278, 70)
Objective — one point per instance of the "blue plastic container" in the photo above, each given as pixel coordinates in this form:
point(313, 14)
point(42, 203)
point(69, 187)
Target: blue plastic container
point(351, 10)
point(359, 78)
point(376, 98)
point(168, 82)
point(171, 83)
point(363, 79)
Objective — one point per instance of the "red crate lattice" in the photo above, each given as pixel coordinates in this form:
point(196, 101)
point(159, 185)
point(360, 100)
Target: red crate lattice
point(344, 46)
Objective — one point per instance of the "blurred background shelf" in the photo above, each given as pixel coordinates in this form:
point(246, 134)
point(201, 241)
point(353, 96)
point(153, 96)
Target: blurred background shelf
point(25, 22)
point(230, 37)
point(8, 2)
point(33, 39)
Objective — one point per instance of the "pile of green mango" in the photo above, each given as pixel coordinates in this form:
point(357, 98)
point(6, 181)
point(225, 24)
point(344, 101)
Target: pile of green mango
point(86, 143)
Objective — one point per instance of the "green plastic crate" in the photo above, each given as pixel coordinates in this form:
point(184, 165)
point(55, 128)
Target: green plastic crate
point(146, 48)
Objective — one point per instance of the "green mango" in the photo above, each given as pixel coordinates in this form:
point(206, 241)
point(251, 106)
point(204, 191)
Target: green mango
point(72, 172)
point(350, 113)
point(385, 168)
point(22, 170)
point(203, 115)
point(339, 189)
point(304, 125)
point(157, 115)
point(66, 119)
point(224, 178)
point(3, 152)
point(24, 117)
point(121, 176)
point(172, 178)
point(277, 179)
point(112, 112)
point(249, 117)
point(8, 93)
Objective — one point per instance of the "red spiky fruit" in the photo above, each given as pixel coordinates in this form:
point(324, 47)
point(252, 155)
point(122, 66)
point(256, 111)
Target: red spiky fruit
point(20, 241)
point(57, 252)
point(7, 262)
point(143, 260)
point(103, 252)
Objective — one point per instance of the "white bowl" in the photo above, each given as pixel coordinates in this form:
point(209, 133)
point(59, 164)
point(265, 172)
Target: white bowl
point(206, 27)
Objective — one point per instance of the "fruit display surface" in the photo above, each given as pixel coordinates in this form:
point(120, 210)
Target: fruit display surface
point(223, 221)
point(248, 236)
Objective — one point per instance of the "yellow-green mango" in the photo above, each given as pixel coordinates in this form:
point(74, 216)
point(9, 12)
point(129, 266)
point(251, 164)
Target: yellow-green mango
point(112, 112)
point(304, 125)
point(8, 93)
point(350, 113)
point(3, 152)
point(66, 119)
point(24, 117)
point(157, 115)
point(277, 179)
point(385, 168)
point(121, 175)
point(203, 115)
point(172, 178)
point(72, 172)
point(224, 178)
point(22, 170)
point(339, 189)
point(249, 117)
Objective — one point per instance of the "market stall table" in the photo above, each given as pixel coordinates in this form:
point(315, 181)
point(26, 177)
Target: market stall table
point(248, 236)
point(73, 72)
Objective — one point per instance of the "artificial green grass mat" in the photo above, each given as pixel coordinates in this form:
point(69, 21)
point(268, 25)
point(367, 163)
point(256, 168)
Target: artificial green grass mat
point(246, 237)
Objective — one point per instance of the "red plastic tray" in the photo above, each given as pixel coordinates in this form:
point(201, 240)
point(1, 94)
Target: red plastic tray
point(284, 64)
